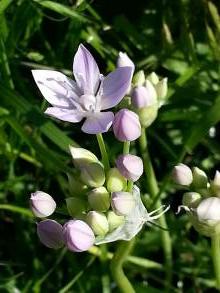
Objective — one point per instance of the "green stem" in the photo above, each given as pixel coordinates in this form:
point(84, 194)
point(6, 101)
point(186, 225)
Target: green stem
point(103, 151)
point(16, 209)
point(215, 248)
point(126, 147)
point(154, 190)
point(117, 262)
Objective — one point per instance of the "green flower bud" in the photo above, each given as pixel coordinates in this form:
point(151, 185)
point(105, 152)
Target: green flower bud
point(139, 78)
point(153, 78)
point(147, 115)
point(99, 199)
point(115, 181)
point(161, 88)
point(75, 206)
point(191, 199)
point(200, 179)
point(82, 157)
point(114, 221)
point(215, 185)
point(98, 222)
point(76, 187)
point(93, 175)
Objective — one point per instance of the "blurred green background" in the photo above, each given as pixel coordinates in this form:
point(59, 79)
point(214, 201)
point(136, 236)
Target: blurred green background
point(177, 39)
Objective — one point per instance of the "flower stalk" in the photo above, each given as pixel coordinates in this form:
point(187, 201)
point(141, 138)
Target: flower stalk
point(117, 262)
point(153, 190)
point(103, 151)
point(215, 251)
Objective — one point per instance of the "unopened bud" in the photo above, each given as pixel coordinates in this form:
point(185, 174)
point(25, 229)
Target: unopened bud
point(82, 157)
point(126, 125)
point(191, 199)
point(50, 234)
point(139, 78)
point(93, 175)
point(161, 88)
point(99, 199)
point(144, 96)
point(130, 166)
point(122, 203)
point(76, 187)
point(153, 78)
point(98, 222)
point(75, 206)
point(114, 221)
point(209, 209)
point(115, 181)
point(42, 204)
point(147, 115)
point(78, 235)
point(215, 185)
point(182, 175)
point(200, 179)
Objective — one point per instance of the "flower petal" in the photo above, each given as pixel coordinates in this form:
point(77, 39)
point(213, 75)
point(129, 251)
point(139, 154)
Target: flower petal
point(98, 123)
point(86, 71)
point(57, 89)
point(65, 114)
point(115, 86)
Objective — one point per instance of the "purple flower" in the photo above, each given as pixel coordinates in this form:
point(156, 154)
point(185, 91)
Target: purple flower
point(50, 233)
point(126, 125)
point(78, 235)
point(85, 97)
point(130, 166)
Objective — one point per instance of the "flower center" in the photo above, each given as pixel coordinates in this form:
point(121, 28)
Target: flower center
point(88, 102)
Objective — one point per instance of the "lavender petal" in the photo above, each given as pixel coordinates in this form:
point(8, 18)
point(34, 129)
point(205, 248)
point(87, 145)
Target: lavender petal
point(65, 114)
point(98, 123)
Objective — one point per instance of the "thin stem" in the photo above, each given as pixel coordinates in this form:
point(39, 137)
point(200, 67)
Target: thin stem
point(117, 262)
point(215, 248)
point(154, 190)
point(126, 147)
point(103, 151)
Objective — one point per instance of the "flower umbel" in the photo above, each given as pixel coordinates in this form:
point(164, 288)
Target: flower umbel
point(87, 96)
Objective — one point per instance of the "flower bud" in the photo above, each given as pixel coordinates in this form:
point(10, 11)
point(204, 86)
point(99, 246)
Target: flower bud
point(215, 185)
point(182, 175)
point(115, 181)
point(50, 233)
point(42, 204)
point(124, 60)
point(147, 115)
point(99, 199)
point(93, 175)
point(200, 179)
point(75, 206)
point(114, 221)
point(130, 166)
point(126, 125)
point(161, 88)
point(122, 203)
point(76, 187)
point(78, 235)
point(209, 209)
point(98, 222)
point(144, 96)
point(139, 78)
point(191, 199)
point(153, 78)
point(82, 157)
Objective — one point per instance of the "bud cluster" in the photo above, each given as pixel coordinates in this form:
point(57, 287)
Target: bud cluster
point(101, 208)
point(202, 201)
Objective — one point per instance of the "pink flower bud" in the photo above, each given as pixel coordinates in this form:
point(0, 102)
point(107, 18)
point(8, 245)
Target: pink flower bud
point(126, 125)
point(182, 175)
point(78, 235)
point(42, 204)
point(122, 203)
point(144, 96)
point(50, 233)
point(130, 166)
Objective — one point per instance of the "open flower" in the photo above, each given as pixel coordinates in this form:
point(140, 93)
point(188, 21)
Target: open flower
point(87, 96)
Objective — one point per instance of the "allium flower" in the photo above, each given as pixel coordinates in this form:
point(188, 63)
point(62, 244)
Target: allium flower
point(87, 96)
point(130, 166)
